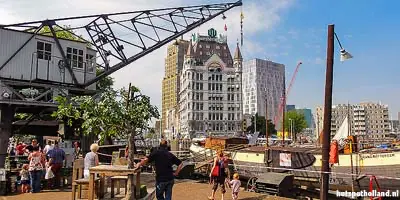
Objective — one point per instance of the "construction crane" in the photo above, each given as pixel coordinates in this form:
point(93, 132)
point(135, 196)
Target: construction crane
point(284, 97)
point(121, 38)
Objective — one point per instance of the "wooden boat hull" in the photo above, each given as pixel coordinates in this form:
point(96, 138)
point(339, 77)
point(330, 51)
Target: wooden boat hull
point(306, 167)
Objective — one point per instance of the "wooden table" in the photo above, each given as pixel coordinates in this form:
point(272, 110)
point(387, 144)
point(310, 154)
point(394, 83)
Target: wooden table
point(111, 170)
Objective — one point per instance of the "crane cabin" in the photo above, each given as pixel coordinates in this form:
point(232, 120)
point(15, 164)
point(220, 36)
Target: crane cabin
point(35, 58)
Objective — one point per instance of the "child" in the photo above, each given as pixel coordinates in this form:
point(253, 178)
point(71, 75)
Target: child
point(24, 173)
point(235, 183)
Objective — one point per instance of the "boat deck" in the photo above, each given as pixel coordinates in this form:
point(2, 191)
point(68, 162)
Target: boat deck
point(290, 149)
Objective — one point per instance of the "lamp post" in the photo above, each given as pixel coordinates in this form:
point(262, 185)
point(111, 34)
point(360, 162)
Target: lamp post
point(291, 129)
point(328, 108)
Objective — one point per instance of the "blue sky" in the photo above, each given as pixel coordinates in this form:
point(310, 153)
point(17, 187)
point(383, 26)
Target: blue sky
point(369, 30)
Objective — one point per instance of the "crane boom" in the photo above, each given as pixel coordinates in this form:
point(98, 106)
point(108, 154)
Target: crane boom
point(124, 37)
point(281, 106)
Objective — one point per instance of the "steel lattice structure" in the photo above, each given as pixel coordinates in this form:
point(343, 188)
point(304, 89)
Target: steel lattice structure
point(147, 31)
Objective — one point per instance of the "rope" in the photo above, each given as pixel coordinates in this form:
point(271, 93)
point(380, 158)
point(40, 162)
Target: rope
point(102, 154)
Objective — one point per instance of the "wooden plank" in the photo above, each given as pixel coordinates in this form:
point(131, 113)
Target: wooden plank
point(91, 186)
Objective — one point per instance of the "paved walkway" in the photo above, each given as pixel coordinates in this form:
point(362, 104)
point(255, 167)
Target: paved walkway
point(182, 191)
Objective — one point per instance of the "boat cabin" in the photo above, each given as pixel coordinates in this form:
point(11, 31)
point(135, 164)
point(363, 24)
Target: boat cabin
point(224, 142)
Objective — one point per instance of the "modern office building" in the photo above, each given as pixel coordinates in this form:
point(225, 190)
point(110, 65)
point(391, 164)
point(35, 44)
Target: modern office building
point(290, 108)
point(365, 118)
point(307, 115)
point(170, 85)
point(262, 79)
point(210, 91)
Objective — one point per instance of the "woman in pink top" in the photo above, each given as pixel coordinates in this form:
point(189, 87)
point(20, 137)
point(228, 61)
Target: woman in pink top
point(235, 183)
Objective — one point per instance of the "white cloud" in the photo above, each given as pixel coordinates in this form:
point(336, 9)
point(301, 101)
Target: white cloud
point(147, 72)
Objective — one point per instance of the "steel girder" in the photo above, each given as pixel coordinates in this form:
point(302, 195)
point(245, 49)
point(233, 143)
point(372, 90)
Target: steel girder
point(148, 30)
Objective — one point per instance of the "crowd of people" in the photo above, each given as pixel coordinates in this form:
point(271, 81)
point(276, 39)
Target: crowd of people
point(51, 157)
point(43, 163)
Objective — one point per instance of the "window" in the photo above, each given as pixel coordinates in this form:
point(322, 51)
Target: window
point(91, 62)
point(75, 56)
point(217, 47)
point(43, 50)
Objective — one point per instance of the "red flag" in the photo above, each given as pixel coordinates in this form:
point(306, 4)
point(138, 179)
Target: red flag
point(225, 28)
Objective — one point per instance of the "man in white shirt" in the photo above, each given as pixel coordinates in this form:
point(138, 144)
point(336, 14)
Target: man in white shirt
point(48, 147)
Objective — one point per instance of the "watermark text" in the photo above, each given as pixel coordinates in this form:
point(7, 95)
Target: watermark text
point(373, 193)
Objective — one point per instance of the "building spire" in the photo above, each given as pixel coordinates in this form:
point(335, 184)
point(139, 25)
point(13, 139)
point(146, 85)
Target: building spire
point(190, 51)
point(238, 55)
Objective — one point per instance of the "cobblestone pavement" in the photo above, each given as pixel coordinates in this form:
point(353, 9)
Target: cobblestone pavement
point(182, 191)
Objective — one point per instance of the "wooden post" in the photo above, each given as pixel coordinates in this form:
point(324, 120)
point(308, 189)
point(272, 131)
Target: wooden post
point(138, 185)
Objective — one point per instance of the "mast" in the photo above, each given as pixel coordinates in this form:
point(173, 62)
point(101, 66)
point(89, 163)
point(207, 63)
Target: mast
point(283, 109)
point(350, 145)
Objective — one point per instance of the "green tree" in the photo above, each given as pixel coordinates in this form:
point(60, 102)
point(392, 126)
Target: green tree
point(114, 113)
point(105, 83)
point(299, 122)
point(261, 126)
point(63, 33)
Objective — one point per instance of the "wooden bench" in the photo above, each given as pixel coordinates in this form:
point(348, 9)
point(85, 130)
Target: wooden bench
point(78, 181)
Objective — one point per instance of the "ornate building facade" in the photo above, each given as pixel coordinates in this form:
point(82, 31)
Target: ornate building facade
point(210, 95)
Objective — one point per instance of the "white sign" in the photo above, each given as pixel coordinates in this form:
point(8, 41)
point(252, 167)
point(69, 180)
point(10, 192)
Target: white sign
point(285, 159)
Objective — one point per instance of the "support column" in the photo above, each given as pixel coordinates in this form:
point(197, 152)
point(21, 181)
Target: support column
point(6, 118)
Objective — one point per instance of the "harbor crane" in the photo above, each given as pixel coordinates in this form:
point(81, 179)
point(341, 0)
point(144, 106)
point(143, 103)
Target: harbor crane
point(143, 32)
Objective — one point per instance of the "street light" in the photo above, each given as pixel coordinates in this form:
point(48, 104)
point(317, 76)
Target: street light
point(291, 129)
point(344, 55)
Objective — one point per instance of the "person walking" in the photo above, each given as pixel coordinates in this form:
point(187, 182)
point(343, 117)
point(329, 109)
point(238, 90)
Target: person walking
point(164, 160)
point(218, 174)
point(56, 160)
point(235, 183)
point(37, 161)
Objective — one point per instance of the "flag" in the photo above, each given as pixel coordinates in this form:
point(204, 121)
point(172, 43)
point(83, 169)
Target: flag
point(225, 28)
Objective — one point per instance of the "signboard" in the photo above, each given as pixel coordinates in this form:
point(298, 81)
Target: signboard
point(212, 33)
point(285, 159)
